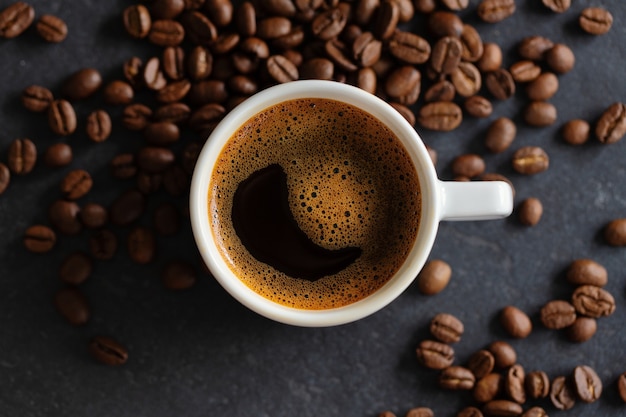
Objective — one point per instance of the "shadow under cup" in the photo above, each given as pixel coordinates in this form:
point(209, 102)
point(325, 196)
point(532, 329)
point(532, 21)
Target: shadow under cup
point(428, 219)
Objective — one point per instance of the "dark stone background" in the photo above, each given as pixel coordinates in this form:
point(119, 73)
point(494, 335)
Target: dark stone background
point(199, 353)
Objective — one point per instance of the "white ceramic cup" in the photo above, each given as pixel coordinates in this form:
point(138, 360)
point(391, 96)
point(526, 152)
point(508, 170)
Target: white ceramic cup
point(441, 200)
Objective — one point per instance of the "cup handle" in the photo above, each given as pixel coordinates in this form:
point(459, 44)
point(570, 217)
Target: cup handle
point(475, 200)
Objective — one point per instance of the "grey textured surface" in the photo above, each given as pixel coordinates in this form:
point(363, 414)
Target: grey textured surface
point(199, 353)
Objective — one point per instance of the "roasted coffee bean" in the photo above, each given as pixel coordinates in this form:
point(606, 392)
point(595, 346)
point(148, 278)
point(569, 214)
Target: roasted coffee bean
point(208, 91)
point(593, 301)
point(118, 92)
point(327, 25)
point(611, 126)
point(366, 49)
point(199, 63)
point(39, 239)
point(127, 208)
point(206, 117)
point(141, 245)
point(36, 98)
point(420, 412)
point(515, 322)
point(103, 244)
point(173, 92)
point(491, 58)
point(93, 216)
point(561, 393)
point(455, 4)
point(58, 155)
point(178, 275)
point(470, 412)
point(173, 62)
point(149, 183)
point(466, 79)
point(514, 384)
point(560, 58)
point(492, 11)
point(161, 133)
point(425, 6)
point(98, 126)
point(500, 135)
point(586, 272)
point(123, 166)
point(446, 328)
point(137, 21)
point(530, 160)
point(503, 354)
point(246, 18)
point(558, 6)
point(153, 77)
point(537, 385)
point(166, 32)
point(468, 165)
point(456, 378)
point(61, 117)
point(558, 314)
point(76, 184)
point(595, 20)
point(15, 19)
point(76, 268)
point(172, 113)
point(22, 156)
point(478, 106)
point(136, 116)
point(409, 47)
point(530, 211)
point(442, 24)
point(175, 180)
point(317, 69)
point(51, 28)
point(502, 408)
point(500, 84)
point(386, 19)
point(220, 11)
point(154, 160)
point(535, 412)
point(621, 386)
point(407, 10)
point(472, 44)
point(440, 91)
point(199, 28)
point(582, 330)
point(167, 9)
point(435, 355)
point(487, 388)
point(575, 132)
point(340, 54)
point(481, 363)
point(404, 84)
point(446, 55)
point(133, 68)
point(107, 351)
point(534, 47)
point(434, 277)
point(366, 80)
point(364, 12)
point(63, 216)
point(82, 84)
point(166, 219)
point(406, 112)
point(288, 41)
point(440, 115)
point(73, 306)
point(5, 177)
point(525, 71)
point(615, 232)
point(274, 27)
point(281, 69)
point(543, 87)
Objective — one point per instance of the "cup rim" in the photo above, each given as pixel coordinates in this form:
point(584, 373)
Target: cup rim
point(430, 203)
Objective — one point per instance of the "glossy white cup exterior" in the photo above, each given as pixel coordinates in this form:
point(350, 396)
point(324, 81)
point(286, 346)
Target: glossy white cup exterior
point(441, 200)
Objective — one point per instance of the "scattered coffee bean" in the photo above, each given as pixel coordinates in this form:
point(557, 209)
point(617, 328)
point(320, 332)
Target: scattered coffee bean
point(487, 388)
point(593, 301)
point(500, 84)
point(534, 47)
point(22, 156)
point(502, 408)
point(503, 354)
point(441, 23)
point(406, 112)
point(440, 116)
point(152, 76)
point(500, 135)
point(98, 126)
point(61, 117)
point(72, 305)
point(127, 208)
point(612, 124)
point(409, 47)
point(154, 160)
point(107, 351)
point(575, 132)
point(582, 330)
point(123, 166)
point(558, 6)
point(543, 87)
point(58, 155)
point(621, 386)
point(514, 384)
point(530, 160)
point(537, 385)
point(173, 113)
point(173, 62)
point(161, 133)
point(178, 275)
point(63, 216)
point(615, 232)
point(435, 355)
point(136, 116)
point(446, 55)
point(595, 20)
point(470, 412)
point(524, 71)
point(478, 106)
point(141, 245)
point(137, 21)
point(76, 184)
point(492, 11)
point(167, 9)
point(15, 19)
point(456, 378)
point(561, 393)
point(118, 92)
point(515, 322)
point(51, 28)
point(535, 412)
point(434, 277)
point(481, 363)
point(540, 114)
point(560, 58)
point(82, 84)
point(36, 98)
point(530, 211)
point(466, 79)
point(5, 177)
point(558, 314)
point(446, 328)
point(491, 59)
point(103, 244)
point(468, 165)
point(76, 268)
point(173, 92)
point(587, 272)
point(93, 216)
point(39, 239)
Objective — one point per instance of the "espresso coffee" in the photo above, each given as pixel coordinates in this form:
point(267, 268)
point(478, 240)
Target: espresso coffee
point(314, 203)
